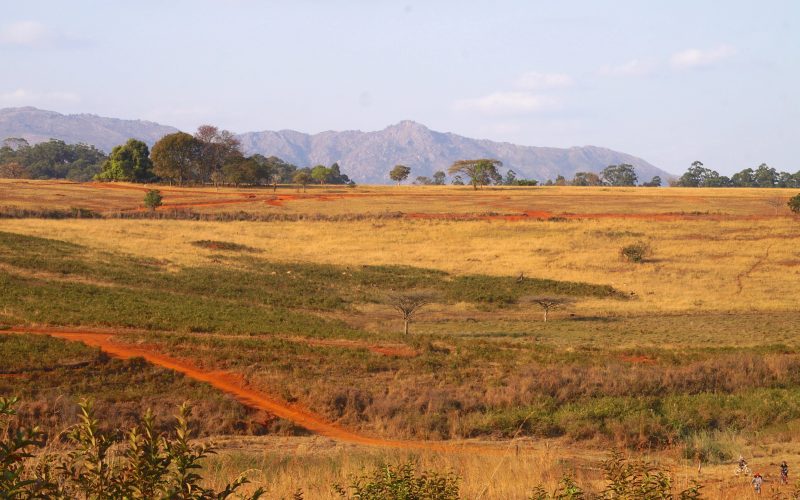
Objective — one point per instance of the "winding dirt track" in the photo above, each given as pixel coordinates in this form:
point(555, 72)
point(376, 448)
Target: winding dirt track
point(237, 388)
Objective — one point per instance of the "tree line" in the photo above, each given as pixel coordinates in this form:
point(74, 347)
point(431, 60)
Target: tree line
point(763, 176)
point(485, 172)
point(53, 159)
point(210, 156)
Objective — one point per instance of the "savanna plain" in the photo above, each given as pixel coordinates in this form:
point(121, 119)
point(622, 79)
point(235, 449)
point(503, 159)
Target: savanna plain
point(272, 313)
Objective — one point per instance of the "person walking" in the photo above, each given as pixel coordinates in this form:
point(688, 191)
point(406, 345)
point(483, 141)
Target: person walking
point(757, 481)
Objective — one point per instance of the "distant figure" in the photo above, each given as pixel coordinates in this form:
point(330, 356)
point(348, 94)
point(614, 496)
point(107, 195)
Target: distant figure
point(757, 480)
point(784, 473)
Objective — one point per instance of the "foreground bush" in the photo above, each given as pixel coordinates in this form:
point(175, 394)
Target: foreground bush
point(626, 479)
point(401, 483)
point(148, 465)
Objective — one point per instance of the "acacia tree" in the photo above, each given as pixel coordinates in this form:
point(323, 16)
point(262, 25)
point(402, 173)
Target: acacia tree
point(399, 173)
point(302, 177)
point(176, 157)
point(408, 304)
point(549, 303)
point(481, 172)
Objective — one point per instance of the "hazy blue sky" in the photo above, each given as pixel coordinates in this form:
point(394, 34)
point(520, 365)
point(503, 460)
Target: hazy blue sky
point(670, 81)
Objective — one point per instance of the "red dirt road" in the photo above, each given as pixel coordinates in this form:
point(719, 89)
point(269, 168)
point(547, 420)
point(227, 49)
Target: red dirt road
point(230, 384)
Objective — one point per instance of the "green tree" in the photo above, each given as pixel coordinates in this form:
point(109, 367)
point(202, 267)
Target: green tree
point(619, 175)
point(481, 172)
point(765, 176)
point(128, 162)
point(53, 159)
point(320, 173)
point(176, 157)
point(794, 204)
point(399, 173)
point(586, 179)
point(217, 149)
point(510, 179)
point(153, 199)
point(303, 177)
point(335, 175)
point(654, 182)
point(439, 177)
point(745, 178)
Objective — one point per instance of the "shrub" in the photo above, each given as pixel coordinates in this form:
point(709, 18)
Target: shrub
point(152, 465)
point(636, 252)
point(404, 482)
point(794, 204)
point(625, 479)
point(152, 199)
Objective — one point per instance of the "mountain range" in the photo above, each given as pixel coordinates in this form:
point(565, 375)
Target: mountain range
point(366, 157)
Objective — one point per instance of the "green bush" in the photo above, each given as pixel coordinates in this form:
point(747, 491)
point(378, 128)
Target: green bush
point(152, 465)
point(626, 479)
point(636, 252)
point(401, 483)
point(152, 199)
point(794, 204)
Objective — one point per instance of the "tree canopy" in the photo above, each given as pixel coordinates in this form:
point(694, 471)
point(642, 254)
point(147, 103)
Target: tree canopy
point(481, 172)
point(177, 157)
point(399, 173)
point(53, 159)
point(128, 162)
point(619, 175)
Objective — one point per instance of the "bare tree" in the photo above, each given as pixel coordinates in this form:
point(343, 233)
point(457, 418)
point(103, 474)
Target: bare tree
point(549, 303)
point(408, 303)
point(775, 203)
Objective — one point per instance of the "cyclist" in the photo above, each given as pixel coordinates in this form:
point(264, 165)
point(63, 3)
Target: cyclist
point(784, 473)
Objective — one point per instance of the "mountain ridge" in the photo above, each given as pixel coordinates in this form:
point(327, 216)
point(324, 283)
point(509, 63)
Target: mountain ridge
point(366, 157)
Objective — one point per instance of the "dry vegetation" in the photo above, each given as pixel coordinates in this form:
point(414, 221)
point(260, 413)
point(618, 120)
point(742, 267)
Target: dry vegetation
point(693, 353)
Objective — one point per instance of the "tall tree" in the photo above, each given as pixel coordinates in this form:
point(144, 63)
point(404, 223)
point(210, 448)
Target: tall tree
point(586, 179)
point(303, 177)
point(320, 173)
point(128, 162)
point(439, 177)
point(399, 173)
point(481, 172)
point(218, 147)
point(177, 157)
point(619, 175)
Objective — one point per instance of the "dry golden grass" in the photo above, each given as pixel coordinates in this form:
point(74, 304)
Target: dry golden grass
point(284, 465)
point(714, 250)
point(696, 265)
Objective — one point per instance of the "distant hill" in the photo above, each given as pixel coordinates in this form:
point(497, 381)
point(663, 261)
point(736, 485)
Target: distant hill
point(37, 125)
point(368, 156)
point(365, 156)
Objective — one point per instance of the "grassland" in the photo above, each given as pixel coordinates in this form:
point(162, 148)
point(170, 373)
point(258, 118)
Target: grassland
point(692, 353)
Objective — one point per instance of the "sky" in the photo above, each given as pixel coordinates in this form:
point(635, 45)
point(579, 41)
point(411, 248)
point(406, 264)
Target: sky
point(669, 81)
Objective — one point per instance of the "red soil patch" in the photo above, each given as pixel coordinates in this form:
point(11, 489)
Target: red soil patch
point(235, 386)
